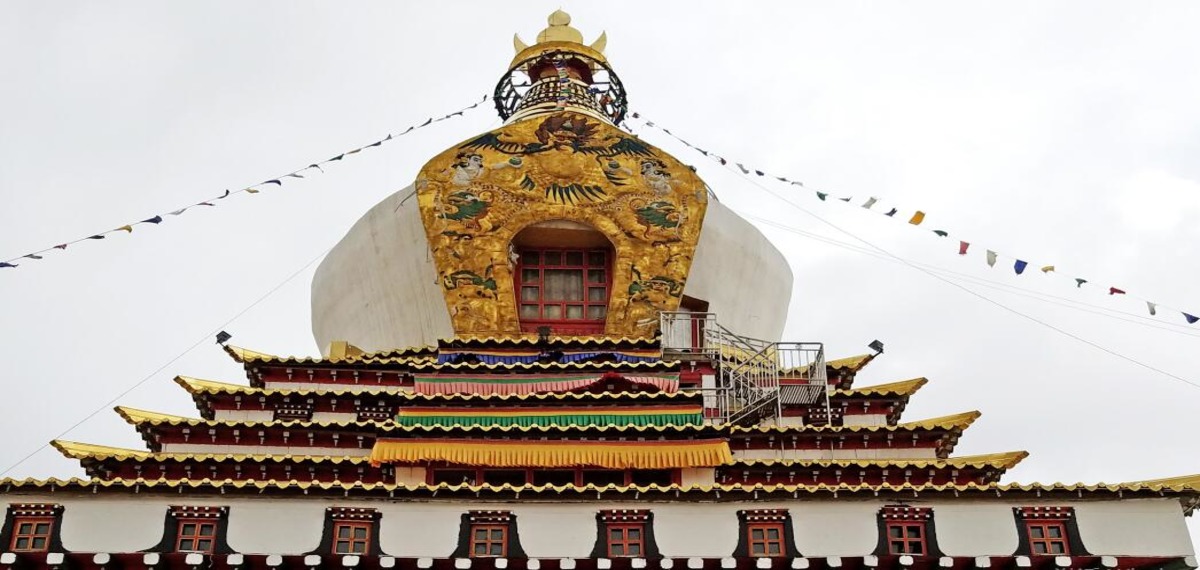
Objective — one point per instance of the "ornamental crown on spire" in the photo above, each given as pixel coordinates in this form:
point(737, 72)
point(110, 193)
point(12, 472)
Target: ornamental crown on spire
point(560, 30)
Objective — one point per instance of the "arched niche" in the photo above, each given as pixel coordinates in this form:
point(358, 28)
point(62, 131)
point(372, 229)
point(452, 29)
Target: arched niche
point(563, 278)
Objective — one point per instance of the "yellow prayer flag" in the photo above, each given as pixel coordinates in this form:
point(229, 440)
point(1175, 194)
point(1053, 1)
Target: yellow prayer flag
point(251, 191)
point(917, 218)
point(127, 228)
point(1048, 269)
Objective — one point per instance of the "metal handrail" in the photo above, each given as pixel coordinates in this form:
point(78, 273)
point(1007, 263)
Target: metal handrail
point(748, 369)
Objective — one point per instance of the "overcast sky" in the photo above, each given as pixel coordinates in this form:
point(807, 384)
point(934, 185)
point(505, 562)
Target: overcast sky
point(1066, 133)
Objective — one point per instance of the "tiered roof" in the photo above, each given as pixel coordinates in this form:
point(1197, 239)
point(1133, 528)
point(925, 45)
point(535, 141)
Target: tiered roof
point(344, 424)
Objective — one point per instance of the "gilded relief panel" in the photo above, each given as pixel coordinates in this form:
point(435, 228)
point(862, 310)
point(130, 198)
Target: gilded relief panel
point(566, 166)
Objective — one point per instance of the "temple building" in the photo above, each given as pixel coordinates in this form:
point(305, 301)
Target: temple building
point(556, 350)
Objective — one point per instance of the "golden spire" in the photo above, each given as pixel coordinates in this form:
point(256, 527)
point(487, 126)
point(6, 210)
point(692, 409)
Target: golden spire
point(559, 31)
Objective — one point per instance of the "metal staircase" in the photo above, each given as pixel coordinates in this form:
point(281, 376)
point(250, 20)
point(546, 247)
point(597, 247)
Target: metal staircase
point(753, 378)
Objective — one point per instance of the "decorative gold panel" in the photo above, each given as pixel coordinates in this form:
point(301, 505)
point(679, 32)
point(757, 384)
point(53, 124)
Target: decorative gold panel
point(476, 197)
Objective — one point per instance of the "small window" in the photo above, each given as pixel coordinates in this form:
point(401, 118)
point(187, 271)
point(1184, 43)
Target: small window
point(765, 533)
point(32, 534)
point(196, 535)
point(1048, 531)
point(489, 541)
point(626, 540)
point(350, 530)
point(765, 539)
point(625, 533)
point(906, 538)
point(567, 290)
point(351, 537)
point(1047, 537)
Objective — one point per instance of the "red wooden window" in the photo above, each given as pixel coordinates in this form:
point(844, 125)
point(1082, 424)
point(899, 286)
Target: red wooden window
point(1047, 537)
point(31, 534)
point(196, 535)
point(627, 539)
point(565, 289)
point(906, 538)
point(489, 540)
point(351, 537)
point(765, 539)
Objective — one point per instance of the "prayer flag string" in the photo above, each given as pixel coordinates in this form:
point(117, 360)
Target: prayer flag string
point(278, 181)
point(917, 219)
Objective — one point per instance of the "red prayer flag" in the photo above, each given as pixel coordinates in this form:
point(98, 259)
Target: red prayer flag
point(962, 247)
point(1115, 291)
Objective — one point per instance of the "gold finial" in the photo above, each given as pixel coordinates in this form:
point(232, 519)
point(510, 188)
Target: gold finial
point(560, 30)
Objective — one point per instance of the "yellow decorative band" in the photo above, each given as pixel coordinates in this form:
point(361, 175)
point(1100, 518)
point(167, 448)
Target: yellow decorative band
point(550, 454)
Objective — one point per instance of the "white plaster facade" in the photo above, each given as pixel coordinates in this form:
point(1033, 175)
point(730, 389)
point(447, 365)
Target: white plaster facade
point(378, 287)
point(430, 528)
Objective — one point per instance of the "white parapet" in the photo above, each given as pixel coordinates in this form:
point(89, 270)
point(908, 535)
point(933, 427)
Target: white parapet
point(193, 559)
point(983, 562)
point(350, 561)
point(101, 558)
point(274, 560)
point(462, 563)
point(151, 559)
point(312, 561)
point(54, 558)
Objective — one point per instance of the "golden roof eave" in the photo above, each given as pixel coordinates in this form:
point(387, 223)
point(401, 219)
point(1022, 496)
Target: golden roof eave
point(1006, 460)
point(901, 388)
point(851, 363)
point(956, 422)
point(1117, 490)
point(81, 451)
point(197, 386)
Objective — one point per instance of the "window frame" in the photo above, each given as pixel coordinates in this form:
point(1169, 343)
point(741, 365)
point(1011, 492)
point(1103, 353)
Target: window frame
point(624, 541)
point(1047, 542)
point(488, 541)
point(563, 323)
point(906, 543)
point(197, 536)
point(906, 517)
point(352, 540)
point(32, 536)
point(766, 541)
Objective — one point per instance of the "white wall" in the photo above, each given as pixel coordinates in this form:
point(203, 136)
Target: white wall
point(378, 287)
point(1142, 527)
point(845, 528)
point(976, 529)
point(823, 527)
point(732, 259)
